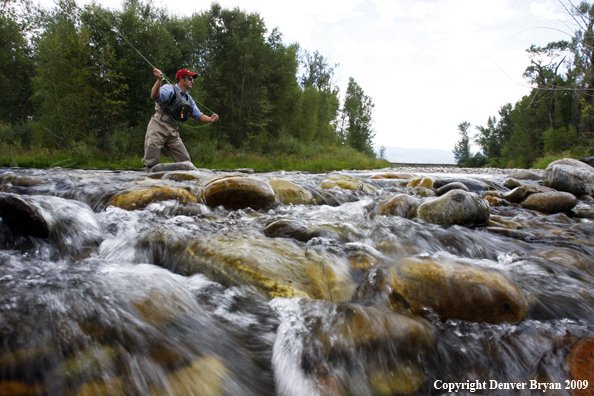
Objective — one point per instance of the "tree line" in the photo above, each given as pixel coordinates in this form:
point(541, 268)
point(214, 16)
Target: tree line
point(80, 77)
point(556, 119)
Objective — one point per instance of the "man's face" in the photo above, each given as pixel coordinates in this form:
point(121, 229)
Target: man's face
point(186, 82)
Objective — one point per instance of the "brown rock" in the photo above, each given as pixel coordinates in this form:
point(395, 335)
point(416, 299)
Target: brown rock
point(142, 197)
point(581, 366)
point(238, 192)
point(457, 291)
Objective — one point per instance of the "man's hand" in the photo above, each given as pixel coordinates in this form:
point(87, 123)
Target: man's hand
point(214, 117)
point(157, 73)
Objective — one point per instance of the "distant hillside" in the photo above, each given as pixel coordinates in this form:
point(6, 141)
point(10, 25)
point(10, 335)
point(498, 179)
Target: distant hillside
point(418, 156)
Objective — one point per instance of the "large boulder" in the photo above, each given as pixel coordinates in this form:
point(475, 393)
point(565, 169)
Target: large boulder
point(455, 207)
point(140, 198)
point(550, 202)
point(456, 291)
point(572, 176)
point(238, 192)
point(290, 193)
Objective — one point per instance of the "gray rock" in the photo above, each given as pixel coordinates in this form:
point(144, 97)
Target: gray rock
point(472, 184)
point(511, 183)
point(402, 205)
point(449, 187)
point(518, 194)
point(550, 202)
point(525, 175)
point(455, 207)
point(177, 166)
point(578, 180)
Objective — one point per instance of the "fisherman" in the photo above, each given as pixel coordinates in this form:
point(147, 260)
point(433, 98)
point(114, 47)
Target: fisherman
point(162, 130)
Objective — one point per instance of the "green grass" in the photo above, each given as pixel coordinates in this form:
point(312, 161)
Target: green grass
point(324, 160)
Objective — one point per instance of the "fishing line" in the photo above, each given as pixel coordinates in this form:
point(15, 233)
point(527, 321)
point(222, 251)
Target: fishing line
point(113, 28)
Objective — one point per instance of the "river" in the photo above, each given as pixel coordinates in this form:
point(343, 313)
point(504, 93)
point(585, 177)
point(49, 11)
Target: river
point(181, 297)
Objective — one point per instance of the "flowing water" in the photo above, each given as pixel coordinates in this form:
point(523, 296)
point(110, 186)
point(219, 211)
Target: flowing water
point(117, 302)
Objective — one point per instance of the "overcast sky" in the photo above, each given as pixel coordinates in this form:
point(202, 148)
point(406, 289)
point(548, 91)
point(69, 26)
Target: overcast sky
point(428, 65)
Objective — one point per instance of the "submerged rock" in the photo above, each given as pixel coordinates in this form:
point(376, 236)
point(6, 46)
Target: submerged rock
point(22, 217)
point(238, 192)
point(457, 291)
point(456, 207)
point(346, 182)
point(472, 184)
point(581, 363)
point(426, 182)
point(290, 193)
point(449, 187)
point(550, 202)
point(402, 205)
point(140, 198)
point(275, 266)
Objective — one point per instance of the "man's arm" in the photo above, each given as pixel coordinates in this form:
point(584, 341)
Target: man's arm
point(156, 90)
point(206, 119)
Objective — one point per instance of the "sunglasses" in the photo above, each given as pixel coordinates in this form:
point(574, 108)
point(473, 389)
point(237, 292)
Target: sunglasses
point(189, 78)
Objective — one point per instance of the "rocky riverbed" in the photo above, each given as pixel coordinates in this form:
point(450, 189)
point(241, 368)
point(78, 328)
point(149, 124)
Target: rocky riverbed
point(399, 281)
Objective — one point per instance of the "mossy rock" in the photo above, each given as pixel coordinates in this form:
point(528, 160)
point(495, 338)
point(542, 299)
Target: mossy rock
point(238, 192)
point(277, 267)
point(550, 202)
point(346, 182)
point(402, 205)
point(290, 193)
point(207, 376)
point(425, 182)
point(141, 197)
point(457, 291)
point(519, 194)
point(455, 207)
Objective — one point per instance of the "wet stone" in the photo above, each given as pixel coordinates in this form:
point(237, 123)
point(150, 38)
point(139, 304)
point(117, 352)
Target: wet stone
point(425, 182)
point(449, 187)
point(290, 193)
point(581, 366)
point(346, 182)
point(22, 217)
point(457, 291)
point(550, 202)
point(141, 197)
point(456, 207)
point(520, 193)
point(177, 166)
point(402, 205)
point(238, 193)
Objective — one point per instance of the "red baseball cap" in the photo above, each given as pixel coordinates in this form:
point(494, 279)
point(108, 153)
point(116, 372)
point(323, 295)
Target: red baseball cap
point(184, 72)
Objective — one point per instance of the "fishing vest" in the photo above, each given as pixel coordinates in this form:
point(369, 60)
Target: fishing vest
point(178, 107)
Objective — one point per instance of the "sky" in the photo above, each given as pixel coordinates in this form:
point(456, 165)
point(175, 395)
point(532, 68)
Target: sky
point(428, 65)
